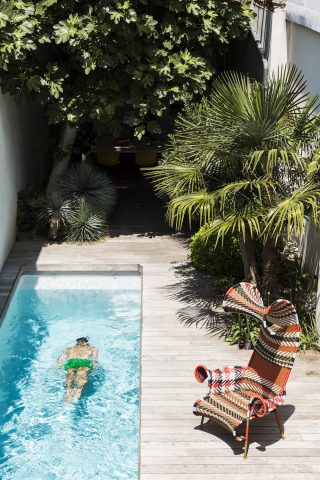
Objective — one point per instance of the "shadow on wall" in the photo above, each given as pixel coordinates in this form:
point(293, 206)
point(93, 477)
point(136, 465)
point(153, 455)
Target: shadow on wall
point(310, 249)
point(24, 159)
point(245, 57)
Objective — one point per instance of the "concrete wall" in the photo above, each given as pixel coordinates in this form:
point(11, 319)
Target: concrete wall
point(23, 160)
point(278, 52)
point(303, 51)
point(305, 13)
point(303, 46)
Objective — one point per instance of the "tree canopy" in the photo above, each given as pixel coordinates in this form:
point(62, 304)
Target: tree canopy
point(115, 61)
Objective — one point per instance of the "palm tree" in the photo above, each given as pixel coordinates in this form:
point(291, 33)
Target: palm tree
point(246, 161)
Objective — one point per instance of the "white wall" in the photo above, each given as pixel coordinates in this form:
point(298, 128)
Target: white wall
point(305, 13)
point(304, 51)
point(278, 53)
point(23, 160)
point(295, 39)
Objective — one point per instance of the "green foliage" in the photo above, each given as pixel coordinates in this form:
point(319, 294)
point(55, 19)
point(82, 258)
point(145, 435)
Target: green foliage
point(114, 61)
point(83, 180)
point(309, 338)
point(300, 290)
point(87, 224)
point(222, 259)
point(55, 211)
point(78, 206)
point(30, 200)
point(239, 160)
point(241, 328)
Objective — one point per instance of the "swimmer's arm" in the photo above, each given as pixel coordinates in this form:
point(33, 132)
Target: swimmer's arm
point(94, 356)
point(63, 357)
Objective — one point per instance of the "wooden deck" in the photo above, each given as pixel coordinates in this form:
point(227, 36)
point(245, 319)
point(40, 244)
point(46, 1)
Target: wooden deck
point(172, 447)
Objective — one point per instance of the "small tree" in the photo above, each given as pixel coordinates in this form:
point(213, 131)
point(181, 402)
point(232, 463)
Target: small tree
point(114, 62)
point(246, 161)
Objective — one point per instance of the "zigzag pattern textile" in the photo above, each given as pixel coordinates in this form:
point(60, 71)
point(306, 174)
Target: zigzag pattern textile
point(259, 387)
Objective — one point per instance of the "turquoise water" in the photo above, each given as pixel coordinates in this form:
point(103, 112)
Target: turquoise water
point(97, 437)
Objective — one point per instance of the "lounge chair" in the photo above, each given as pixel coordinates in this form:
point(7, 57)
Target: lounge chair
point(240, 394)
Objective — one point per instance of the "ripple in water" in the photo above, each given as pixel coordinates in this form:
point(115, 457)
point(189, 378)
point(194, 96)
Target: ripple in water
point(41, 436)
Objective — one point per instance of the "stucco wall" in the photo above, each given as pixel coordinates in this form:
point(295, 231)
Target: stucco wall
point(23, 160)
point(305, 13)
point(278, 54)
point(303, 50)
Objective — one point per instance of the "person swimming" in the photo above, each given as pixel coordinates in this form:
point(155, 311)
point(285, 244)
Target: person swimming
point(78, 363)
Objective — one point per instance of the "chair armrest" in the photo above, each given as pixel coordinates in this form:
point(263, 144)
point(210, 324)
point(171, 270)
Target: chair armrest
point(274, 402)
point(259, 406)
point(226, 379)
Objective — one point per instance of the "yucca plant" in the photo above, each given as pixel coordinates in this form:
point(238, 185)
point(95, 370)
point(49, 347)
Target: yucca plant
point(86, 224)
point(56, 213)
point(83, 180)
point(245, 161)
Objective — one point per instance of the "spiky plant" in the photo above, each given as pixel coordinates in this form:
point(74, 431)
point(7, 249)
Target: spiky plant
point(246, 161)
point(56, 213)
point(83, 180)
point(87, 223)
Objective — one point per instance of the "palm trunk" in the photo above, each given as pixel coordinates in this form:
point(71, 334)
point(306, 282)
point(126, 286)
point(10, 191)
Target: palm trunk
point(270, 284)
point(67, 139)
point(247, 249)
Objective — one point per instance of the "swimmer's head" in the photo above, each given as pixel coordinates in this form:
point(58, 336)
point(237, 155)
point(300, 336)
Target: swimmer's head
point(82, 341)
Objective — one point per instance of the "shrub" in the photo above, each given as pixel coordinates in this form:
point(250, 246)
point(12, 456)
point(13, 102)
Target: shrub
point(56, 213)
point(87, 223)
point(221, 260)
point(241, 328)
point(83, 180)
point(78, 205)
point(30, 200)
point(309, 339)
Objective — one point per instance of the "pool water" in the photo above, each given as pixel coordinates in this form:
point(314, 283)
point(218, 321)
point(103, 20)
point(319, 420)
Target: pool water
point(41, 436)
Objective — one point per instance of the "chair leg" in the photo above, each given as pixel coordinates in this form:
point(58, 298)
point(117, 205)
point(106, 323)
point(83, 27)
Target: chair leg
point(246, 445)
point(280, 426)
point(201, 424)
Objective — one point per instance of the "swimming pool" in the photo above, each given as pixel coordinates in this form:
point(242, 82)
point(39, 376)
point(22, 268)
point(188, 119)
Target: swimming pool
point(97, 437)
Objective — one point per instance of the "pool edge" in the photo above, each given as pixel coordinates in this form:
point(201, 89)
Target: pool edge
point(73, 268)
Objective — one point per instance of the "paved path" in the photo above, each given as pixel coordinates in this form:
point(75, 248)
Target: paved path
point(172, 447)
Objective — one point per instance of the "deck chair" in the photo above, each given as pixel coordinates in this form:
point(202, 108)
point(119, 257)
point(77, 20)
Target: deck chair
point(240, 394)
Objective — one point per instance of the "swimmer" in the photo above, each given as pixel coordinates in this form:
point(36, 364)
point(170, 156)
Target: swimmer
point(78, 363)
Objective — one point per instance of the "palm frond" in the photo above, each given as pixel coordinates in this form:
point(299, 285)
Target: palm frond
point(269, 160)
point(314, 166)
point(175, 178)
point(235, 194)
point(248, 220)
point(198, 206)
point(289, 214)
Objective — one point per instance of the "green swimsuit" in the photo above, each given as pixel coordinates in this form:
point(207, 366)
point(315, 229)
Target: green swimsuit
point(78, 363)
